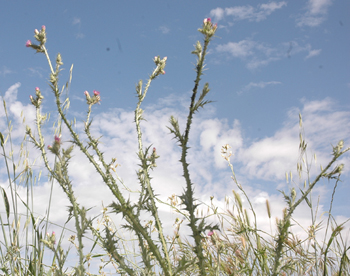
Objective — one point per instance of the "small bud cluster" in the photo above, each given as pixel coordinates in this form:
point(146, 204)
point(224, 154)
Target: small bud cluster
point(50, 240)
point(38, 99)
point(94, 99)
point(40, 36)
point(208, 28)
point(56, 145)
point(52, 237)
point(160, 63)
point(152, 158)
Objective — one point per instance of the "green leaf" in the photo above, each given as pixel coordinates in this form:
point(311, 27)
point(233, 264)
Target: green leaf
point(6, 202)
point(2, 139)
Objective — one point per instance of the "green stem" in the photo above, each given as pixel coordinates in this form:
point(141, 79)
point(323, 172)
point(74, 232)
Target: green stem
point(189, 190)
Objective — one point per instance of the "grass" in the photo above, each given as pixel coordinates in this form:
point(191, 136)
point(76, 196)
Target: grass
point(234, 246)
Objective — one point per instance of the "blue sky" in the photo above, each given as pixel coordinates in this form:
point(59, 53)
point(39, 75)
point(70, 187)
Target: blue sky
point(269, 61)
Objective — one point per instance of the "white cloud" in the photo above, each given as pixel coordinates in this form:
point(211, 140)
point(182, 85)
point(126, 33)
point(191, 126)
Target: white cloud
point(261, 84)
point(272, 6)
point(313, 53)
point(217, 14)
point(164, 29)
point(76, 21)
point(247, 12)
point(35, 71)
point(239, 49)
point(316, 7)
point(267, 159)
point(5, 71)
point(79, 35)
point(316, 13)
point(257, 54)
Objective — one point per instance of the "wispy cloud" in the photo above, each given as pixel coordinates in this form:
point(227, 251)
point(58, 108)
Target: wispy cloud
point(313, 53)
point(260, 85)
point(316, 13)
point(164, 29)
point(239, 49)
point(5, 71)
point(77, 21)
point(258, 13)
point(35, 72)
point(257, 54)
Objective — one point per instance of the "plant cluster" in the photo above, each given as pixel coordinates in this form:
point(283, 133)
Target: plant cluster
point(235, 246)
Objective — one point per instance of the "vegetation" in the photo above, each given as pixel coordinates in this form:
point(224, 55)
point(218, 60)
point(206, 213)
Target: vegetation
point(233, 247)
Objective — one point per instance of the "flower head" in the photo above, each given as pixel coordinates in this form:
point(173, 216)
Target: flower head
point(28, 43)
point(206, 20)
point(43, 27)
point(96, 93)
point(208, 28)
point(58, 139)
point(210, 233)
point(37, 89)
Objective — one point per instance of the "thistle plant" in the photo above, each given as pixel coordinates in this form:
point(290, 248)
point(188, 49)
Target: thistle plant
point(147, 199)
point(197, 225)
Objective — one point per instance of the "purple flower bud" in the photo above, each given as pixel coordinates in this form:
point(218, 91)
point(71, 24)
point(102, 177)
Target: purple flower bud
point(57, 139)
point(37, 89)
point(96, 93)
point(28, 43)
point(43, 27)
point(206, 20)
point(210, 233)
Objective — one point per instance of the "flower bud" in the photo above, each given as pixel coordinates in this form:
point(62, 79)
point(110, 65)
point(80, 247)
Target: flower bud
point(28, 43)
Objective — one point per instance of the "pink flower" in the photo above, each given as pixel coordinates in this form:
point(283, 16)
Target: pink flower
point(37, 89)
point(49, 147)
point(57, 139)
point(28, 43)
point(206, 20)
point(96, 93)
point(210, 233)
point(43, 27)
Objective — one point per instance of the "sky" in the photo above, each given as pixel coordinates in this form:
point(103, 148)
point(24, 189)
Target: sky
point(269, 61)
